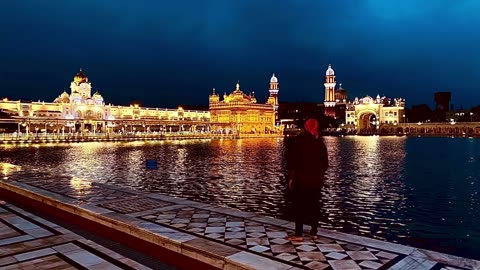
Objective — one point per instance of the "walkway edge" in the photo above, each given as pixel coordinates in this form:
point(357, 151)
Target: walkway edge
point(211, 253)
point(192, 249)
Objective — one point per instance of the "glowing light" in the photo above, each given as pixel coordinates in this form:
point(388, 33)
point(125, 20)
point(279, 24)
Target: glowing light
point(8, 168)
point(80, 184)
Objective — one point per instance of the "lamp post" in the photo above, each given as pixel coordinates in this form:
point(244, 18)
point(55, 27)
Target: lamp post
point(471, 116)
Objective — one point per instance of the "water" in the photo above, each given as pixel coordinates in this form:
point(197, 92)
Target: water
point(416, 191)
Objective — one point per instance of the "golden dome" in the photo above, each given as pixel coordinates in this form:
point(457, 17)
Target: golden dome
point(80, 77)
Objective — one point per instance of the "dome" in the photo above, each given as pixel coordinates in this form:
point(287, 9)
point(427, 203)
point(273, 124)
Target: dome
point(237, 96)
point(97, 95)
point(274, 79)
point(80, 77)
point(341, 90)
point(64, 95)
point(62, 98)
point(330, 71)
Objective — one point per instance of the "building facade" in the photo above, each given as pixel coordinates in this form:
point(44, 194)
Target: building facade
point(240, 113)
point(367, 115)
point(362, 115)
point(82, 111)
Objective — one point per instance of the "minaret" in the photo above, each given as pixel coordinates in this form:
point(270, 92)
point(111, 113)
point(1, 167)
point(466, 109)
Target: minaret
point(330, 92)
point(274, 94)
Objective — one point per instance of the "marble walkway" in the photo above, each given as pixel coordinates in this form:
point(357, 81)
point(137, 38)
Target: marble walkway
point(223, 237)
point(30, 242)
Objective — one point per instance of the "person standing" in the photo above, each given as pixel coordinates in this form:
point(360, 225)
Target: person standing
point(307, 164)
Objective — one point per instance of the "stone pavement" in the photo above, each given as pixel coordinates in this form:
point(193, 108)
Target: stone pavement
point(30, 242)
point(222, 237)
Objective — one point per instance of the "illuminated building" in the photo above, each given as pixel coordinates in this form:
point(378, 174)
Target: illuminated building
point(240, 113)
point(368, 114)
point(84, 112)
point(365, 114)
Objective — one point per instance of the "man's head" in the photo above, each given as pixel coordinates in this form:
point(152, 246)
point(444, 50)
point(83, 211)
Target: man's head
point(311, 125)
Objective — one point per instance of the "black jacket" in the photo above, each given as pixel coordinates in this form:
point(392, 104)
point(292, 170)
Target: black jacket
point(308, 161)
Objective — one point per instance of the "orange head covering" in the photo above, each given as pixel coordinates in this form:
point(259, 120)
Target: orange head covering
point(311, 125)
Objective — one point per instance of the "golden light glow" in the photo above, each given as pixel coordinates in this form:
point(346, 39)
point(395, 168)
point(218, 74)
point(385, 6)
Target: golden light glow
point(80, 184)
point(8, 169)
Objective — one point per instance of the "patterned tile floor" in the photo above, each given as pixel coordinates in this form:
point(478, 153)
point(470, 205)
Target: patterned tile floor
point(29, 242)
point(269, 240)
point(255, 234)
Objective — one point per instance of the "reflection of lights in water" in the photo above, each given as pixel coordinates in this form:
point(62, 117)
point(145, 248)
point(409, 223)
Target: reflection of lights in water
point(370, 182)
point(134, 157)
point(8, 169)
point(181, 156)
point(80, 184)
point(137, 143)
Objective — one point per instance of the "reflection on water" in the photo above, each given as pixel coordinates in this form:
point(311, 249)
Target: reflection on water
point(417, 191)
point(7, 169)
point(80, 184)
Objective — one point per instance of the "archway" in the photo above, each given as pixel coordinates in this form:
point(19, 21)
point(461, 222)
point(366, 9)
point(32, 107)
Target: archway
point(367, 122)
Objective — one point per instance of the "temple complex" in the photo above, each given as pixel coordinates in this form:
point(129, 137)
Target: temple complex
point(81, 111)
point(240, 113)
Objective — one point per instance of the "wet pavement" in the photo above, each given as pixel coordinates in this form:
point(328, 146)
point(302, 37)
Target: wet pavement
point(221, 237)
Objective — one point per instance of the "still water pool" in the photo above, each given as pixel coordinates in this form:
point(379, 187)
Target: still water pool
point(422, 192)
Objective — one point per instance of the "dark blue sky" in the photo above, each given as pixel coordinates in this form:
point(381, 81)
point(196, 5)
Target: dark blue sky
point(165, 53)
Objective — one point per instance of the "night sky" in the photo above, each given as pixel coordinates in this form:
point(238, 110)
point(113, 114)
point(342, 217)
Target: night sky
point(166, 53)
